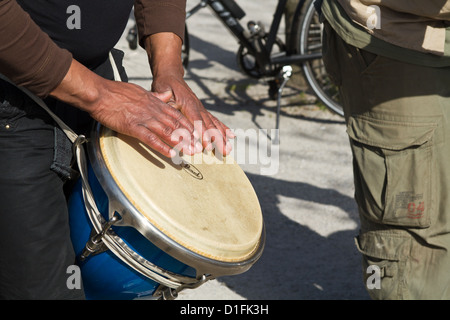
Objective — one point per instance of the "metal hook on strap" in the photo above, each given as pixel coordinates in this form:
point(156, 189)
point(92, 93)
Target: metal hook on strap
point(79, 141)
point(95, 243)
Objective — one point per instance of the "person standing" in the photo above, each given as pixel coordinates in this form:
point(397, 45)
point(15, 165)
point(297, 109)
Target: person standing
point(391, 61)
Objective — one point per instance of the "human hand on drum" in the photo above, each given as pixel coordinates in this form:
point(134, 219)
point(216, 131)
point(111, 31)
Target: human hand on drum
point(131, 110)
point(126, 108)
point(210, 132)
point(164, 51)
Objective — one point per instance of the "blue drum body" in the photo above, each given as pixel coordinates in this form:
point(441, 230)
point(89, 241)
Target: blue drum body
point(164, 226)
point(105, 276)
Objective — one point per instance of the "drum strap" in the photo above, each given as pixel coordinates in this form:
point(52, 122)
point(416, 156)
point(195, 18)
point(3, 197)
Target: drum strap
point(114, 243)
point(77, 142)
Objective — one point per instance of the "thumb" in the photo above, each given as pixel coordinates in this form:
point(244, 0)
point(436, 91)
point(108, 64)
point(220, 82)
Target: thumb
point(165, 96)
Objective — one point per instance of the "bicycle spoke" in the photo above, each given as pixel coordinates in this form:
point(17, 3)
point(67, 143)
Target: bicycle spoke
point(308, 38)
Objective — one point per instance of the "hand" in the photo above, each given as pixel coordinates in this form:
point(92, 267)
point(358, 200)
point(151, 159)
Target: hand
point(131, 110)
point(164, 51)
point(126, 108)
point(213, 133)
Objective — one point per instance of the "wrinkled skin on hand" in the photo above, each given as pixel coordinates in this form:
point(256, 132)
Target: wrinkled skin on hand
point(211, 133)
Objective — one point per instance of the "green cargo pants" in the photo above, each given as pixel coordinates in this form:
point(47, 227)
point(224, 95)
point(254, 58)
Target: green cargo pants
point(397, 120)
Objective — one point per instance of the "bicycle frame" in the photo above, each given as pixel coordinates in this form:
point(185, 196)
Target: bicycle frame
point(274, 67)
point(260, 50)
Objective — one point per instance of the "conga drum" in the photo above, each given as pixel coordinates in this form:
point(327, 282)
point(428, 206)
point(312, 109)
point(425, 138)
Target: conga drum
point(160, 226)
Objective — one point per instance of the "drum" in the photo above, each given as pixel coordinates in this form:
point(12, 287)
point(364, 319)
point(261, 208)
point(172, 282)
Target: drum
point(159, 226)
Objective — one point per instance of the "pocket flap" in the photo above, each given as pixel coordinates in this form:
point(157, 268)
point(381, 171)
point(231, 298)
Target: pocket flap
point(386, 134)
point(384, 245)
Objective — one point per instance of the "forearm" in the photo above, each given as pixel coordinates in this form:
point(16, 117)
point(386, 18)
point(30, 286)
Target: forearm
point(27, 55)
point(84, 89)
point(164, 52)
point(80, 87)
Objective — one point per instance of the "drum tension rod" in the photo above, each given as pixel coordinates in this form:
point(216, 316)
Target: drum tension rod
point(166, 293)
point(95, 244)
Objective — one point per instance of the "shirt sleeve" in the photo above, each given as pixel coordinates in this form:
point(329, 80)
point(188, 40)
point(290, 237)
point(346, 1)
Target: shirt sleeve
point(28, 57)
point(153, 16)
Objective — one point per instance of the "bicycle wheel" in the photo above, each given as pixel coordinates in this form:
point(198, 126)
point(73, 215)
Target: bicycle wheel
point(307, 39)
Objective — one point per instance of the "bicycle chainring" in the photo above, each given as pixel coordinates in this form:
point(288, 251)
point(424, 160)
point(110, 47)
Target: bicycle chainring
point(247, 61)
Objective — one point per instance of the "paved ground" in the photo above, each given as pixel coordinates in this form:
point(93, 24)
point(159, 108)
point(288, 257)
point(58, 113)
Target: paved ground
point(307, 199)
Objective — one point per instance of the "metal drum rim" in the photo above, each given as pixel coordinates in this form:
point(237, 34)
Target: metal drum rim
point(203, 265)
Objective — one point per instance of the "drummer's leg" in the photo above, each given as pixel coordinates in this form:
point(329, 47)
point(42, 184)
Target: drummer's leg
point(35, 246)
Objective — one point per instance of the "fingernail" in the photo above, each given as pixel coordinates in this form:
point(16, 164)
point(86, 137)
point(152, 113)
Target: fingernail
point(228, 147)
point(198, 147)
point(196, 135)
point(230, 134)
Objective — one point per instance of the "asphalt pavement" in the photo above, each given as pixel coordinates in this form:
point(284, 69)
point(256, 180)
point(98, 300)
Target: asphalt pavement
point(305, 186)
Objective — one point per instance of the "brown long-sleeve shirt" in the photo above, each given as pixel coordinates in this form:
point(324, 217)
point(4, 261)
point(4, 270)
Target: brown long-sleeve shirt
point(37, 46)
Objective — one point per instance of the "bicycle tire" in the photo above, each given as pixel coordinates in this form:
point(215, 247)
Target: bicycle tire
point(307, 39)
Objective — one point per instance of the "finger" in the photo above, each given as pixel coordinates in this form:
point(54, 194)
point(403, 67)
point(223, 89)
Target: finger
point(218, 144)
point(191, 109)
point(226, 131)
point(165, 97)
point(153, 141)
point(183, 141)
point(179, 117)
point(173, 133)
point(173, 104)
point(180, 122)
point(217, 135)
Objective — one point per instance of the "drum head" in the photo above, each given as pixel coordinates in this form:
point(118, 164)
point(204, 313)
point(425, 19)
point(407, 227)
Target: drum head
point(206, 205)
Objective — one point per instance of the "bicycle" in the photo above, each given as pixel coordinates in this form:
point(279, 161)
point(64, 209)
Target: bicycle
point(263, 54)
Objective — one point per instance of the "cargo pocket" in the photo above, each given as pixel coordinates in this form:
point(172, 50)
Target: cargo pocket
point(393, 170)
point(385, 255)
